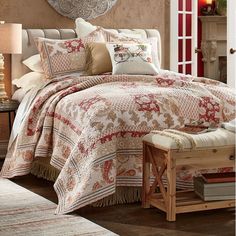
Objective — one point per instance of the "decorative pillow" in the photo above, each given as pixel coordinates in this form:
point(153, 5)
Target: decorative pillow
point(34, 63)
point(30, 80)
point(98, 60)
point(123, 38)
point(60, 57)
point(131, 59)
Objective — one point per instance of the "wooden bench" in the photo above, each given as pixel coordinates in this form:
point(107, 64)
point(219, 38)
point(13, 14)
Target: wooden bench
point(166, 151)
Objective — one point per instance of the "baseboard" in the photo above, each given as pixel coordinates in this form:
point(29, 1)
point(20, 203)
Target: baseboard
point(3, 148)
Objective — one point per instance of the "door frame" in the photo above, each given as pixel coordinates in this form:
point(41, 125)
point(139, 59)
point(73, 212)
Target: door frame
point(231, 43)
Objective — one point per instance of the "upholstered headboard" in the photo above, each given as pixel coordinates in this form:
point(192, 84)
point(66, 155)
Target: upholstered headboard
point(29, 48)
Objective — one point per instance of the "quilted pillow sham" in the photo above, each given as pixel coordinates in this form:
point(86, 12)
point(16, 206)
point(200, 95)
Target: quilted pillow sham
point(60, 57)
point(132, 59)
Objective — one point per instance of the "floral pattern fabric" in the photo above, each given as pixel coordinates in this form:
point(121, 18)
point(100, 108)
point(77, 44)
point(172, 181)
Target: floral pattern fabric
point(60, 57)
point(92, 127)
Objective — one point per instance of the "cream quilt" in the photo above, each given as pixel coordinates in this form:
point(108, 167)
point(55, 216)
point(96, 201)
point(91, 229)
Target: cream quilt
point(92, 127)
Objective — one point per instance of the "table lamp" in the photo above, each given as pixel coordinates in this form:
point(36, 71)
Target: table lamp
point(10, 43)
point(209, 5)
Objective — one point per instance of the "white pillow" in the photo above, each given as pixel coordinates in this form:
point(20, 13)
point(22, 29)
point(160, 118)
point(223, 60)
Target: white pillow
point(83, 28)
point(34, 63)
point(30, 80)
point(133, 35)
point(19, 94)
point(132, 59)
point(153, 42)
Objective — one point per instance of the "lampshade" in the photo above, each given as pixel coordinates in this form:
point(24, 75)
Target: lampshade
point(209, 2)
point(10, 38)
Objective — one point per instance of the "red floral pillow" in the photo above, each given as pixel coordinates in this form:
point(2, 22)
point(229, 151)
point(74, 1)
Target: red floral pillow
point(60, 57)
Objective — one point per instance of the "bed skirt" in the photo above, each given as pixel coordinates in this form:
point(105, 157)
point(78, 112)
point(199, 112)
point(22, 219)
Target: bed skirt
point(42, 169)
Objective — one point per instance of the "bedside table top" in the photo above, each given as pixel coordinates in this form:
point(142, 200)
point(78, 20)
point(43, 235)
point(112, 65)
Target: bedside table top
point(8, 105)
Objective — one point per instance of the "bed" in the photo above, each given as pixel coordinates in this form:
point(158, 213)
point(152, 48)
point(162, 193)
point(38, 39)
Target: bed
point(85, 133)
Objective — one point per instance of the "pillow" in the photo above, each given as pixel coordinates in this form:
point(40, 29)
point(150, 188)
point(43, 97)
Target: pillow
point(30, 80)
point(34, 63)
point(98, 60)
point(118, 37)
point(153, 41)
point(131, 59)
point(83, 28)
point(18, 95)
point(60, 57)
point(122, 38)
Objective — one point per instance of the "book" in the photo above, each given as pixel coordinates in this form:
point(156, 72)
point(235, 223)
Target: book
point(195, 129)
point(214, 191)
point(219, 177)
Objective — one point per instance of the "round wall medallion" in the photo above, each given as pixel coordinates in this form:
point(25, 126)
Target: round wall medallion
point(86, 9)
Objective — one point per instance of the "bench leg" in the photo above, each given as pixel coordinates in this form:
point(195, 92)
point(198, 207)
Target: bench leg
point(146, 178)
point(171, 188)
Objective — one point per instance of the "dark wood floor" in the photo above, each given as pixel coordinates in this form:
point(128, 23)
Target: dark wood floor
point(132, 220)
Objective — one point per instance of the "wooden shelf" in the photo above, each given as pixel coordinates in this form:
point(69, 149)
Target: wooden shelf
point(188, 201)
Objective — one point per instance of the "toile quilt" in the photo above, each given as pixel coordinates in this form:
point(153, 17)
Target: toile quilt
point(92, 128)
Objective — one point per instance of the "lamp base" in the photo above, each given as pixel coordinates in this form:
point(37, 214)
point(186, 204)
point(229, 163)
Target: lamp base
point(3, 94)
point(4, 100)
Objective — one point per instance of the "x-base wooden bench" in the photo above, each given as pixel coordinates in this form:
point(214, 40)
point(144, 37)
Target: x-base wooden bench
point(212, 150)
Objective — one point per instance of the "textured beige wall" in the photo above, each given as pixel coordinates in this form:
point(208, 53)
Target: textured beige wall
point(125, 14)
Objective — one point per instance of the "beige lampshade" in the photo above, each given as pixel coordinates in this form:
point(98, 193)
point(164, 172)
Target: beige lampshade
point(209, 2)
point(10, 38)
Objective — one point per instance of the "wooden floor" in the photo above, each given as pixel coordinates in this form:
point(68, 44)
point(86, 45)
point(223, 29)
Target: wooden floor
point(132, 220)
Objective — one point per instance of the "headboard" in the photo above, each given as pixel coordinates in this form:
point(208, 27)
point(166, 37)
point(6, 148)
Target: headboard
point(29, 48)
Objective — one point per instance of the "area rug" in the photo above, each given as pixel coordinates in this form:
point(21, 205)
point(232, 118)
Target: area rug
point(23, 212)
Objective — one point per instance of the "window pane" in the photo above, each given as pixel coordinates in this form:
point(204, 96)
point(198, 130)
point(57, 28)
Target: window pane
point(189, 69)
point(180, 69)
point(189, 5)
point(188, 49)
point(180, 50)
point(181, 5)
point(188, 25)
point(180, 24)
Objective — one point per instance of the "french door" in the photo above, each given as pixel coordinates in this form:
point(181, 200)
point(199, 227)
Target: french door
point(231, 43)
point(183, 36)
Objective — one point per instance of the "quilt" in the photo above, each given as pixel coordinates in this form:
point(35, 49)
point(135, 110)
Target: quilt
point(92, 127)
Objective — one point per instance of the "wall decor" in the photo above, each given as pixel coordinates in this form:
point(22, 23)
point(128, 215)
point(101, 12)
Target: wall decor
point(86, 9)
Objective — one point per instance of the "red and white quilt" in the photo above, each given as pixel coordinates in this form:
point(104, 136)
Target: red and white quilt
point(92, 127)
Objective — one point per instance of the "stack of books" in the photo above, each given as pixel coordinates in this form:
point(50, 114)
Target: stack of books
point(215, 186)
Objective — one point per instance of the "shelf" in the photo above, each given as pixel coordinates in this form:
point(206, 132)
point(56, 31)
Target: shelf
point(188, 201)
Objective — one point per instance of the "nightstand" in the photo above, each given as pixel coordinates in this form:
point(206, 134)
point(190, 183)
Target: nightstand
point(9, 106)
